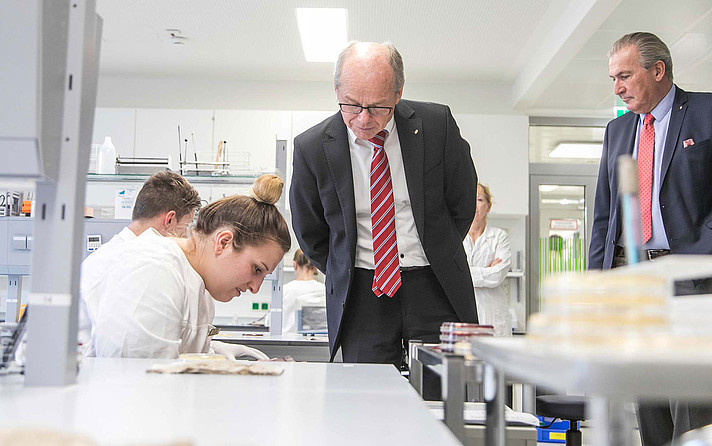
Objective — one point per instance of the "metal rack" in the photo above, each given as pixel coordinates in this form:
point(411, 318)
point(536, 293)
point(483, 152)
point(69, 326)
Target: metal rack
point(461, 377)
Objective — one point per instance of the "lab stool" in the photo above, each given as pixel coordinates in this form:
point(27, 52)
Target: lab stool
point(567, 407)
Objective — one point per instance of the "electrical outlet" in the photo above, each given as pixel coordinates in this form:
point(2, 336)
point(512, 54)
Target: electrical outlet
point(265, 306)
point(255, 305)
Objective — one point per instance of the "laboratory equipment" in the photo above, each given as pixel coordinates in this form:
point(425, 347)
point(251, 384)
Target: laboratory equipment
point(141, 165)
point(106, 157)
point(628, 190)
point(47, 135)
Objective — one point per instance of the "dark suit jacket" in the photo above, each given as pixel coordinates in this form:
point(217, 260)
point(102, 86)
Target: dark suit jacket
point(441, 184)
point(686, 185)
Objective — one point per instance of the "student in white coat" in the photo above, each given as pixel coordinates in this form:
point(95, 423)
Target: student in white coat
point(167, 203)
point(489, 257)
point(304, 290)
point(151, 294)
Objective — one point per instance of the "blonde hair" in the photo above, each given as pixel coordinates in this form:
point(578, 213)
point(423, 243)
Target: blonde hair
point(488, 194)
point(302, 261)
point(253, 220)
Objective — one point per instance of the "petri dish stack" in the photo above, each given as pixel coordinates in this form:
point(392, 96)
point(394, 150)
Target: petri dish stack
point(455, 336)
point(602, 309)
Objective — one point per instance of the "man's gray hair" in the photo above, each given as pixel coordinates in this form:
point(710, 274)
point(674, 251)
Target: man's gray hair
point(394, 57)
point(650, 49)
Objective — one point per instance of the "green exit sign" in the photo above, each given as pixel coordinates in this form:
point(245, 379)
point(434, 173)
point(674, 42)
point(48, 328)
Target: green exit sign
point(619, 107)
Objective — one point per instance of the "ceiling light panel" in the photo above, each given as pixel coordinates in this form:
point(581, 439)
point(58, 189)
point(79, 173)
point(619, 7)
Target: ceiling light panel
point(577, 150)
point(323, 32)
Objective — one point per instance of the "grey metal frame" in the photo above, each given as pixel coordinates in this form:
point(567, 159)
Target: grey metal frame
point(276, 304)
point(54, 301)
point(561, 174)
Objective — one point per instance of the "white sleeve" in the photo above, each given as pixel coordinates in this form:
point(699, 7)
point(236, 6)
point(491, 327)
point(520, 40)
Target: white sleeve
point(140, 312)
point(491, 277)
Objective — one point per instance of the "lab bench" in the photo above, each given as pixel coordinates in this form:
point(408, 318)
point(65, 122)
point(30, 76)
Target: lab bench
point(461, 380)
point(115, 402)
point(610, 376)
point(311, 348)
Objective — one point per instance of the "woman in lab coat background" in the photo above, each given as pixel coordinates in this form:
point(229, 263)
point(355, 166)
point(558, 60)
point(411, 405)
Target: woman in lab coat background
point(489, 257)
point(305, 290)
point(152, 292)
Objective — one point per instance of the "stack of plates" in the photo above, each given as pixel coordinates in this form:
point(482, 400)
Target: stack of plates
point(454, 333)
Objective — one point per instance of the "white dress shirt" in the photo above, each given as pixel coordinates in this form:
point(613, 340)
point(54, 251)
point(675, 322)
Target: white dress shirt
point(410, 250)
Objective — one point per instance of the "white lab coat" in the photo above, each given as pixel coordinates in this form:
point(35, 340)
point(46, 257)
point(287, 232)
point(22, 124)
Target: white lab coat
point(144, 300)
point(299, 293)
point(90, 270)
point(492, 302)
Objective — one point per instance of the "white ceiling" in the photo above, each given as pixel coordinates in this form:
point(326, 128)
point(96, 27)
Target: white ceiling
point(549, 55)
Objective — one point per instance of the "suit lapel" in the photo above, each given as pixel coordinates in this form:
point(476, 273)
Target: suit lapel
point(410, 135)
point(627, 140)
point(630, 137)
point(677, 115)
point(338, 158)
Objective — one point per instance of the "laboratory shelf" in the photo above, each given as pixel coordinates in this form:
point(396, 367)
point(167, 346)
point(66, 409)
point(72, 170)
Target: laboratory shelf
point(246, 178)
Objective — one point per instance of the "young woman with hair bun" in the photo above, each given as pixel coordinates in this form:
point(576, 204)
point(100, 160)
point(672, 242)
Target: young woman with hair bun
point(156, 293)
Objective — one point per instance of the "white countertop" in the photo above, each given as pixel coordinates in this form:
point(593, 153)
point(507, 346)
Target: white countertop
point(116, 403)
point(678, 371)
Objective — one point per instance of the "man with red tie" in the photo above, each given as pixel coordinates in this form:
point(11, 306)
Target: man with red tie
point(382, 195)
point(668, 132)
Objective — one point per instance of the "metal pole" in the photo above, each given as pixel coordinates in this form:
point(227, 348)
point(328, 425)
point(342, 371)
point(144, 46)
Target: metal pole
point(610, 422)
point(529, 398)
point(276, 304)
point(415, 367)
point(494, 404)
point(453, 391)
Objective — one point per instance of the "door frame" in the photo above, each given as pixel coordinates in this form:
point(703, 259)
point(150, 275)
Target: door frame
point(584, 175)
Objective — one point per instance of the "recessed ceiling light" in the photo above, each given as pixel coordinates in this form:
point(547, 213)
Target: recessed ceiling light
point(577, 150)
point(323, 32)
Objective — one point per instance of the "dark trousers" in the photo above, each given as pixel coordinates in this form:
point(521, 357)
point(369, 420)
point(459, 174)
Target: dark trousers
point(376, 329)
point(662, 422)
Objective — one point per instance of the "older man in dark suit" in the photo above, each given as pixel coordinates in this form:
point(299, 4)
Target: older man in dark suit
point(382, 195)
point(668, 131)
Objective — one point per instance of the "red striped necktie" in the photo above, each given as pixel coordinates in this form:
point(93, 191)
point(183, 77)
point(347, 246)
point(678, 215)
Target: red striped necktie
point(646, 150)
point(386, 277)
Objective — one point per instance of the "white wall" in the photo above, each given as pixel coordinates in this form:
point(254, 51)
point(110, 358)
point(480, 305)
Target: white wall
point(213, 94)
point(499, 143)
point(500, 151)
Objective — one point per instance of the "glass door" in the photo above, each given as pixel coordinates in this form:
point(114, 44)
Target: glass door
point(561, 215)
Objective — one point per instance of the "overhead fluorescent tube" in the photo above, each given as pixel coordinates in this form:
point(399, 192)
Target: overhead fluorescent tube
point(323, 32)
point(577, 150)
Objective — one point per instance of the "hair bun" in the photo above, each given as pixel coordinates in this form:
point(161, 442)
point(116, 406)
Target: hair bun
point(267, 188)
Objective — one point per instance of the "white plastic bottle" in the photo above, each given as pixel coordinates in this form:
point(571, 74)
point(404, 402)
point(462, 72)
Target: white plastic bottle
point(106, 158)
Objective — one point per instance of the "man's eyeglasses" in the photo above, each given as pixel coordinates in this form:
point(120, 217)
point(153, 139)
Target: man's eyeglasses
point(354, 109)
